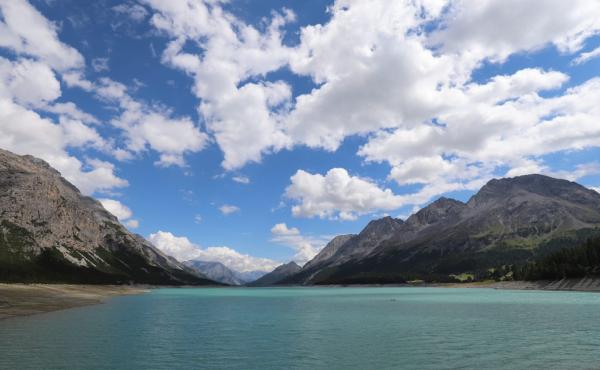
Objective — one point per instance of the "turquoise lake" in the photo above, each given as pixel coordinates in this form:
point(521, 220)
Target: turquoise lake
point(313, 328)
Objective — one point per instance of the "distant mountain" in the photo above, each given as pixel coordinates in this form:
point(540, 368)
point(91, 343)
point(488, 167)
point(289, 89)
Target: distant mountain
point(215, 271)
point(509, 221)
point(276, 276)
point(50, 232)
point(221, 273)
point(250, 276)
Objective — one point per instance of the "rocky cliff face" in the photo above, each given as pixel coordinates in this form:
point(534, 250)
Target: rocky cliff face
point(50, 232)
point(278, 275)
point(346, 248)
point(328, 251)
point(508, 221)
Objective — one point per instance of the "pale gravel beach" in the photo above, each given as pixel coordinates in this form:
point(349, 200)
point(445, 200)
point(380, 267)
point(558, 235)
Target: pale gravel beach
point(574, 285)
point(31, 299)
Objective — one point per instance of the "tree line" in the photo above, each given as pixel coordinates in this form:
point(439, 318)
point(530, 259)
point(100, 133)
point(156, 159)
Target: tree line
point(577, 262)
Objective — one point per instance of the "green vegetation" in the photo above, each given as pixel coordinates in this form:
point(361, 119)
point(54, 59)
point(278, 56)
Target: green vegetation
point(464, 277)
point(578, 262)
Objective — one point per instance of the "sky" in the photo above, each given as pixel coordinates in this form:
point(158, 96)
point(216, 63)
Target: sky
point(252, 132)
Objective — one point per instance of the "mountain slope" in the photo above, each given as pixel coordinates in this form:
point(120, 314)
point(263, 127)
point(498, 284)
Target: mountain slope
point(50, 232)
point(508, 221)
point(346, 248)
point(215, 271)
point(276, 276)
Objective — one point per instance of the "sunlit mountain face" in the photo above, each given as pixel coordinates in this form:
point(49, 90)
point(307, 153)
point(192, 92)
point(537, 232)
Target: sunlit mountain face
point(251, 133)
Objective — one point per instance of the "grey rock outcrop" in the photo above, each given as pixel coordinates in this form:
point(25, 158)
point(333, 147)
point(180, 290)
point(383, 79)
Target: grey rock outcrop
point(50, 232)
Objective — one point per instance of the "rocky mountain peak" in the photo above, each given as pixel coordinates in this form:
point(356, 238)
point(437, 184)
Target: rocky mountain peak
point(498, 190)
point(441, 209)
point(291, 266)
point(329, 250)
point(383, 225)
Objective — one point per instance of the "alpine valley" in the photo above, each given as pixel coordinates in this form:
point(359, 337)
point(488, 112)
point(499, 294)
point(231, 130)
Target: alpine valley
point(50, 232)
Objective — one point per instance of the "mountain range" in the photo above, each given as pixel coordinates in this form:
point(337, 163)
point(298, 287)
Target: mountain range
point(50, 232)
point(509, 221)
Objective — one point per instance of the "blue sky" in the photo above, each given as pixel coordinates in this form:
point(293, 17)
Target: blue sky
point(252, 132)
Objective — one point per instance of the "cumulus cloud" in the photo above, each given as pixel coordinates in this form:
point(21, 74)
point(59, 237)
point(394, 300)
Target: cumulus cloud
point(120, 211)
point(337, 194)
point(399, 73)
point(71, 111)
point(26, 31)
point(28, 84)
point(504, 27)
point(25, 132)
point(147, 126)
point(242, 117)
point(306, 247)
point(183, 249)
point(376, 65)
point(228, 209)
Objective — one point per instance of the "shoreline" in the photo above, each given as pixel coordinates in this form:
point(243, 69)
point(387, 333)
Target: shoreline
point(564, 285)
point(17, 299)
point(31, 299)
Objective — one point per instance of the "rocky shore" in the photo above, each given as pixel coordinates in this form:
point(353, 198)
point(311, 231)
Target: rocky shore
point(576, 285)
point(30, 299)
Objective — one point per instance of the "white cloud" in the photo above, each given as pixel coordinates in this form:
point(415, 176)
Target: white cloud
point(25, 31)
point(149, 126)
point(306, 247)
point(228, 209)
point(242, 116)
point(24, 132)
point(338, 195)
point(197, 219)
point(28, 82)
point(70, 110)
point(587, 56)
point(506, 26)
point(241, 179)
point(595, 188)
point(134, 11)
point(183, 249)
point(121, 211)
point(380, 70)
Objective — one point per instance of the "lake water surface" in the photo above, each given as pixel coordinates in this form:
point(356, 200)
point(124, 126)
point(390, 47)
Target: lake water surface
point(313, 328)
